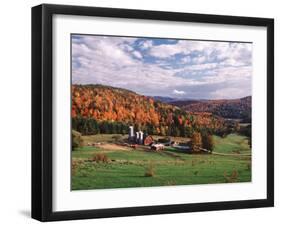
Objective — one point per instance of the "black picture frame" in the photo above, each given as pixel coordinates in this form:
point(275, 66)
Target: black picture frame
point(42, 107)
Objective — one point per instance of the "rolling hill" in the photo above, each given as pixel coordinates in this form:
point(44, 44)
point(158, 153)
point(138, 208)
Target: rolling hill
point(115, 105)
point(227, 108)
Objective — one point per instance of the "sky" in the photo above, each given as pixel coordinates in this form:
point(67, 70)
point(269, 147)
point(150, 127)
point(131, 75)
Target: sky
point(184, 69)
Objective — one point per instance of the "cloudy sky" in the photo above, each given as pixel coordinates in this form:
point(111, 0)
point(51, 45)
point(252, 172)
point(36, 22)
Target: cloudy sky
point(164, 67)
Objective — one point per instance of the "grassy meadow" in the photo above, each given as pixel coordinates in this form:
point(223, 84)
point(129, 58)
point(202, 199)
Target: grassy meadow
point(112, 165)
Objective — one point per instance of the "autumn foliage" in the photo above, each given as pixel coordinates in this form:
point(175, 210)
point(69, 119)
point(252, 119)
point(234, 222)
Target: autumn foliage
point(227, 108)
point(106, 109)
point(196, 141)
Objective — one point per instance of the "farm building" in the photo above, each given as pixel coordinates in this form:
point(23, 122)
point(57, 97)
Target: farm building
point(183, 148)
point(165, 141)
point(157, 147)
point(148, 140)
point(137, 137)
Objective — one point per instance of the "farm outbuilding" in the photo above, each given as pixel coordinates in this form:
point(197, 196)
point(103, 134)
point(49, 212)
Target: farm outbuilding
point(165, 141)
point(148, 140)
point(131, 133)
point(157, 147)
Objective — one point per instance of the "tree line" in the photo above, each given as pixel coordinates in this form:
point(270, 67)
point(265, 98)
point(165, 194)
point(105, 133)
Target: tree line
point(90, 126)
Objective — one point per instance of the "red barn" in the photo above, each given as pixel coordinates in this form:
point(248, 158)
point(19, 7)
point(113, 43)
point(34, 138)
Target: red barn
point(148, 140)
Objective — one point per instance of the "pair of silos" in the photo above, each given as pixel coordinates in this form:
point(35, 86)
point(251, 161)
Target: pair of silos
point(136, 137)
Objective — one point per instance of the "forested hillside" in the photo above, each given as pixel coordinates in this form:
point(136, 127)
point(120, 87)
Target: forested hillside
point(234, 108)
point(104, 109)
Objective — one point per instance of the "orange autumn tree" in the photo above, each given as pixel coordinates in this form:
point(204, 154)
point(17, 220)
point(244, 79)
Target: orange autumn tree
point(196, 141)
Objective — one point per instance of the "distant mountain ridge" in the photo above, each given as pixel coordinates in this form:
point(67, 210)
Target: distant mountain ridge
point(240, 108)
point(164, 99)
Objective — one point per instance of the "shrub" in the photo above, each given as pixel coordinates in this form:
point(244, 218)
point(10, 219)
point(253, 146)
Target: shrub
point(76, 139)
point(233, 177)
point(100, 158)
point(195, 173)
point(150, 170)
point(74, 166)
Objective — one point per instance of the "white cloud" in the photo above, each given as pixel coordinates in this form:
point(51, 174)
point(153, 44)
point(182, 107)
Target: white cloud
point(99, 49)
point(186, 60)
point(137, 54)
point(200, 67)
point(181, 47)
point(146, 44)
point(199, 59)
point(232, 54)
point(178, 92)
point(164, 51)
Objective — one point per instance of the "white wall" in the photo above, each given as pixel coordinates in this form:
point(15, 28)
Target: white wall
point(15, 111)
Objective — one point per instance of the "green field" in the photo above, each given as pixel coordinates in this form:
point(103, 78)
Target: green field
point(127, 167)
point(233, 143)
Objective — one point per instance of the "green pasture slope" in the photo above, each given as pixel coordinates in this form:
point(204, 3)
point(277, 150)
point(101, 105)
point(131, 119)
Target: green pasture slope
point(233, 143)
point(127, 168)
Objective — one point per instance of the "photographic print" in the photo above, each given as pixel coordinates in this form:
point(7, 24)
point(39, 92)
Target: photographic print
point(159, 112)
